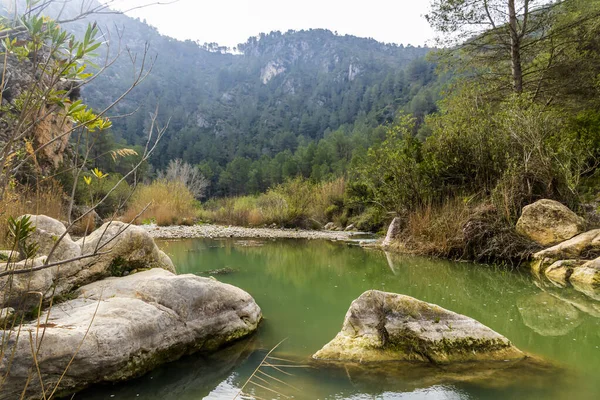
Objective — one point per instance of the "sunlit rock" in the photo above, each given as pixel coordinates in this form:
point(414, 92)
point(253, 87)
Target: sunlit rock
point(382, 326)
point(560, 271)
point(585, 245)
point(548, 222)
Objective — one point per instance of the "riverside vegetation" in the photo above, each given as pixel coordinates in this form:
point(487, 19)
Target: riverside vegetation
point(457, 171)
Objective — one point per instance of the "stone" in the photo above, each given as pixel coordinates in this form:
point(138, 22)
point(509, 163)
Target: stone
point(560, 271)
point(121, 328)
point(126, 247)
point(88, 223)
point(10, 256)
point(393, 232)
point(330, 226)
point(382, 326)
point(47, 233)
point(118, 248)
point(586, 278)
point(5, 315)
point(548, 222)
point(350, 227)
point(585, 245)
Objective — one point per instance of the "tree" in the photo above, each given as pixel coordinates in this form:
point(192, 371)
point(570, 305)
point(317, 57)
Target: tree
point(190, 176)
point(497, 28)
point(515, 45)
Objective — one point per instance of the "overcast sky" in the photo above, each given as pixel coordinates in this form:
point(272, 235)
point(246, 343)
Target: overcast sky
point(229, 22)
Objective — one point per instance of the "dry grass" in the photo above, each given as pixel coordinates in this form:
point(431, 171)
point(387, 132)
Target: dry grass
point(170, 203)
point(437, 230)
point(296, 203)
point(46, 200)
point(460, 229)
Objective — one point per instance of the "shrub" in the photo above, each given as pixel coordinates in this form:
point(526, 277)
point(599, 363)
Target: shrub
point(295, 203)
point(190, 176)
point(273, 207)
point(169, 203)
point(437, 229)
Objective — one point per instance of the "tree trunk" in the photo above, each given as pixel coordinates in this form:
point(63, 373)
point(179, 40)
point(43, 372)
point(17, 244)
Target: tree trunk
point(515, 48)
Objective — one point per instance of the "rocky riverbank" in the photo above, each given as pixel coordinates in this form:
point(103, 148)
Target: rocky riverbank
point(103, 309)
point(218, 231)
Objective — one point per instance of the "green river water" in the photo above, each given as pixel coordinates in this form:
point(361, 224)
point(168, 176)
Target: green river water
point(305, 288)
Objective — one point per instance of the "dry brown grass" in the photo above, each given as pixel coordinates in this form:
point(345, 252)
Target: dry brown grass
point(437, 230)
point(169, 203)
point(295, 203)
point(46, 200)
point(460, 229)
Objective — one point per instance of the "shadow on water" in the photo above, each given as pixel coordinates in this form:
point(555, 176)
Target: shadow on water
point(194, 376)
point(305, 288)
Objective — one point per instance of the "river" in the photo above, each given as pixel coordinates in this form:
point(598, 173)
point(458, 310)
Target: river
point(305, 288)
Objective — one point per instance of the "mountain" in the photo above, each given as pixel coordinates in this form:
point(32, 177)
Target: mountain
point(274, 95)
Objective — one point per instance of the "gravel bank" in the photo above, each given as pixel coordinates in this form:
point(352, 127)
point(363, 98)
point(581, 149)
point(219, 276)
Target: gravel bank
point(218, 231)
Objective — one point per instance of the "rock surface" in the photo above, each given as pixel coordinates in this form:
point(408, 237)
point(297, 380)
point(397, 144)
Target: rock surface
point(112, 250)
point(548, 222)
point(585, 245)
point(573, 261)
point(382, 326)
point(135, 324)
point(9, 255)
point(393, 232)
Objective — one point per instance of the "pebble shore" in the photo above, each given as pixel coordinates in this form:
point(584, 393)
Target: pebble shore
point(218, 231)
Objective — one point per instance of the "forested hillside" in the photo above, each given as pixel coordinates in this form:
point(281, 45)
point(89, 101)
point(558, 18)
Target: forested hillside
point(278, 106)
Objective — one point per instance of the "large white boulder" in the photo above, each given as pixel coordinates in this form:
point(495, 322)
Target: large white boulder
point(115, 249)
point(120, 328)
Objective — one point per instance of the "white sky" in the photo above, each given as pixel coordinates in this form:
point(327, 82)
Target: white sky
point(229, 22)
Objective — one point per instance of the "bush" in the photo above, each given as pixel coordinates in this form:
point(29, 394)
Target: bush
point(169, 203)
point(296, 203)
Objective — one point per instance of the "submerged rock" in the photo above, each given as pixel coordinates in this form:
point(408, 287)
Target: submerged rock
point(548, 222)
point(120, 328)
point(221, 271)
point(382, 326)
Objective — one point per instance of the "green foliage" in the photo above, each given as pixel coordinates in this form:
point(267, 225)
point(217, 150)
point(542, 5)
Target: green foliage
point(249, 134)
point(20, 231)
point(393, 172)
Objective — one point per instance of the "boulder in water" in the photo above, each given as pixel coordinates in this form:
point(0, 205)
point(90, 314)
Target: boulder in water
point(382, 326)
point(393, 232)
point(120, 328)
